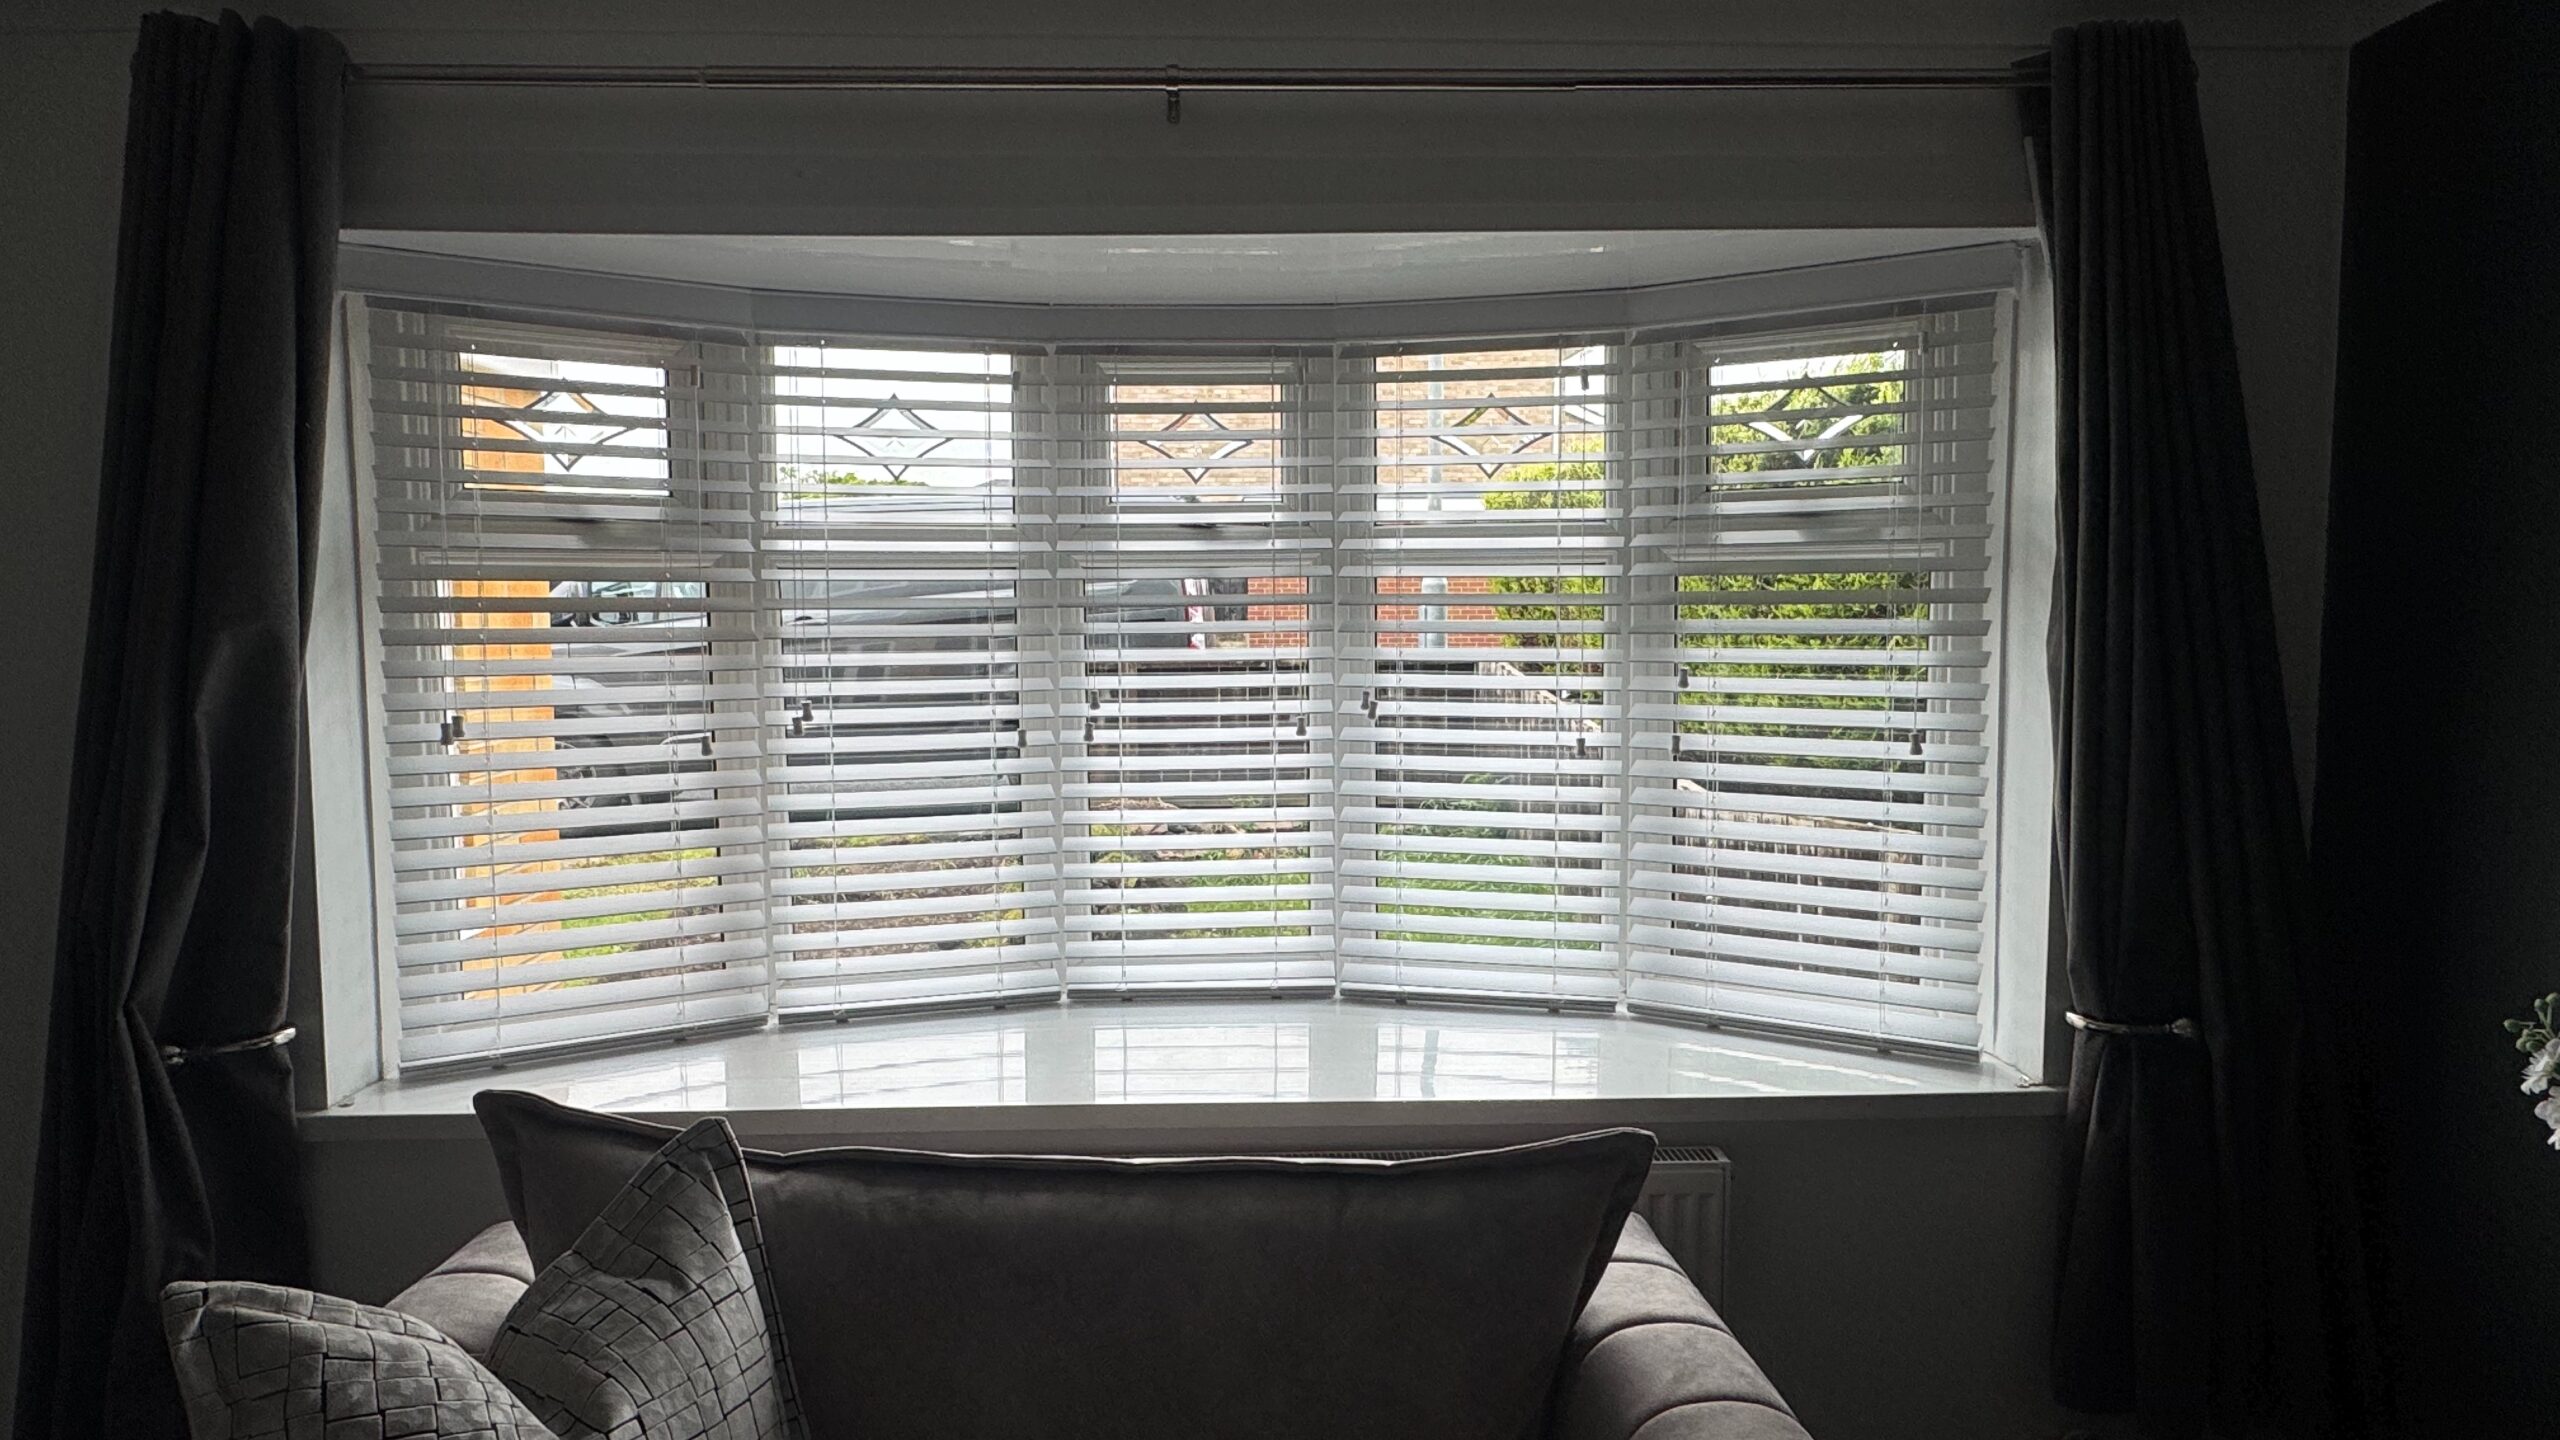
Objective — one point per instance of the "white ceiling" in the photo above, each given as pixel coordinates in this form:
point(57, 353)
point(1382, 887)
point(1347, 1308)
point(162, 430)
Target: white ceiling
point(1188, 269)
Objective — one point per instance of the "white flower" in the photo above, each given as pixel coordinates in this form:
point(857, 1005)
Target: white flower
point(2548, 1112)
point(2543, 1067)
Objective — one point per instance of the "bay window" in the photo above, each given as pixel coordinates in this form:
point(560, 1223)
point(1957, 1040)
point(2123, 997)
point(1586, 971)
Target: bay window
point(725, 674)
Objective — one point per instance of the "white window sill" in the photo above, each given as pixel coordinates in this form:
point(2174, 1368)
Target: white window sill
point(1330, 1066)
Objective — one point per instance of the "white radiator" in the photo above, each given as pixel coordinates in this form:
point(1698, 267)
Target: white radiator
point(1684, 1199)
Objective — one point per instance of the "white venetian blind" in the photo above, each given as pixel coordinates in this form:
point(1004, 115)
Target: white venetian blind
point(726, 676)
point(909, 787)
point(564, 589)
point(1811, 785)
point(1195, 672)
point(1485, 586)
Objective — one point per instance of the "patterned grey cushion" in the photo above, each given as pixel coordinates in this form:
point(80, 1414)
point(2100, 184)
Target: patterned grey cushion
point(652, 1326)
point(256, 1361)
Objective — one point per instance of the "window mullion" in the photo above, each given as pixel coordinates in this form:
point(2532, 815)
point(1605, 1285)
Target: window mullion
point(1333, 415)
point(1629, 623)
point(762, 472)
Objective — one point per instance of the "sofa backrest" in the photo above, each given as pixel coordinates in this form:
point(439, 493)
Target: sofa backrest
point(950, 1295)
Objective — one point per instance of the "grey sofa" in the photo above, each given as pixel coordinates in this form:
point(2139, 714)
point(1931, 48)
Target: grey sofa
point(1649, 1360)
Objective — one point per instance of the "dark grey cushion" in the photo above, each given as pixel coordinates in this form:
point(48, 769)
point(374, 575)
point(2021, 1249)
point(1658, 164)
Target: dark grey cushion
point(468, 1296)
point(650, 1326)
point(950, 1295)
point(263, 1362)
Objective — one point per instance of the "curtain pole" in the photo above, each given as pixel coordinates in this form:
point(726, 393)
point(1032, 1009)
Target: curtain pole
point(1175, 78)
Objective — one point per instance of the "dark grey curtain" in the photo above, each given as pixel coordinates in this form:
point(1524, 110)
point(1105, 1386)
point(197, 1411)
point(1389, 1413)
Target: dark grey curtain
point(2210, 1280)
point(167, 1146)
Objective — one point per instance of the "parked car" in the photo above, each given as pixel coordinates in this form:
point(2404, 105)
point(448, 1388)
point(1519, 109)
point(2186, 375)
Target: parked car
point(929, 617)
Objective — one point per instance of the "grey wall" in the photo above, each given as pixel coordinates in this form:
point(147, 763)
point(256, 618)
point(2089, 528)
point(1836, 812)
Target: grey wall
point(2273, 76)
point(61, 141)
point(2273, 123)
